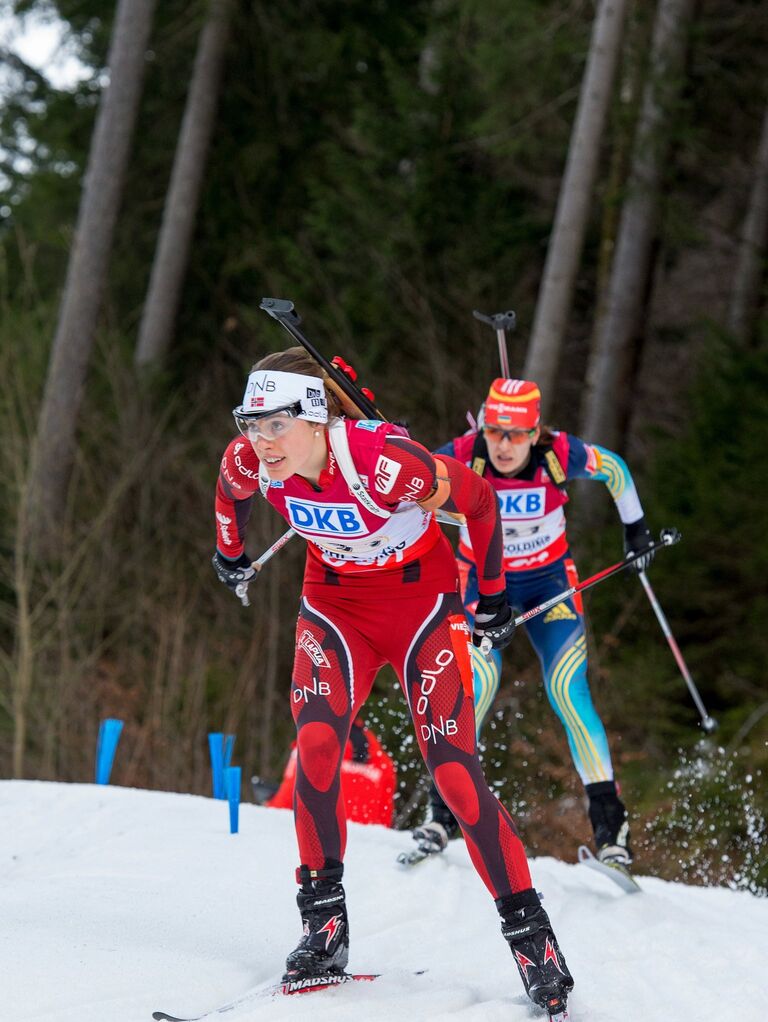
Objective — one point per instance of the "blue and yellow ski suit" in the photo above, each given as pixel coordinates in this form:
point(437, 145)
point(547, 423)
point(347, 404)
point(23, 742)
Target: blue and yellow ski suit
point(537, 566)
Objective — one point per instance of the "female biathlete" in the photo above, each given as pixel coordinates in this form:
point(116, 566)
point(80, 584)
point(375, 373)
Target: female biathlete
point(380, 586)
point(529, 467)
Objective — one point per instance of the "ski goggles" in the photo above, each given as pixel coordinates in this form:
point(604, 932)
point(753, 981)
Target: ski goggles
point(515, 436)
point(271, 425)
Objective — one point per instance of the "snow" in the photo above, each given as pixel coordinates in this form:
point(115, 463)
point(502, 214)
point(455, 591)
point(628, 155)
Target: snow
point(116, 902)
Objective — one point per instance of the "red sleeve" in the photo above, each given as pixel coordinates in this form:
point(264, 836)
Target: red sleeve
point(475, 498)
point(237, 483)
point(407, 471)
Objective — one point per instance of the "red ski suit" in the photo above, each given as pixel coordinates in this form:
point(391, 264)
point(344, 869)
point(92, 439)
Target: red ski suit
point(382, 588)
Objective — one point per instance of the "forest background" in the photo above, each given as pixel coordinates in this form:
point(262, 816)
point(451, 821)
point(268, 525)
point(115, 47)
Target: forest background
point(389, 166)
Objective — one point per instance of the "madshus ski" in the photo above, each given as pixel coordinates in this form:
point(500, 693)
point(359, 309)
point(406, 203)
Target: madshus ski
point(619, 874)
point(286, 988)
point(555, 1007)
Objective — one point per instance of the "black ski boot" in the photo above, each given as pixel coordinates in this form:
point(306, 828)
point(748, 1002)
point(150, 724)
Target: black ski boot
point(439, 826)
point(609, 817)
point(324, 946)
point(526, 928)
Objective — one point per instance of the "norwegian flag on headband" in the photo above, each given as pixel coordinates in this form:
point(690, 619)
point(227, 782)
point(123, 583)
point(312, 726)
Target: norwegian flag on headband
point(513, 404)
point(270, 388)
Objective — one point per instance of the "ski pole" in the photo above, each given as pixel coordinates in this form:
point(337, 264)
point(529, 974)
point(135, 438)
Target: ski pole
point(708, 723)
point(667, 537)
point(241, 590)
point(500, 322)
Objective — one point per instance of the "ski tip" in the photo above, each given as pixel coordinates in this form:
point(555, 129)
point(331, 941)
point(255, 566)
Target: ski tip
point(556, 1009)
point(160, 1016)
point(613, 870)
point(417, 855)
point(411, 858)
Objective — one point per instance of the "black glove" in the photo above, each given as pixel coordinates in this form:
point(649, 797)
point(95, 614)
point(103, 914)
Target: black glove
point(494, 620)
point(233, 573)
point(637, 536)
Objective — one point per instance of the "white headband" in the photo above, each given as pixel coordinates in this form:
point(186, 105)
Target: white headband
point(268, 390)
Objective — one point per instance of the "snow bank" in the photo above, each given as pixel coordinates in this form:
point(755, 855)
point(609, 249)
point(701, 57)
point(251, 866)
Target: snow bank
point(116, 902)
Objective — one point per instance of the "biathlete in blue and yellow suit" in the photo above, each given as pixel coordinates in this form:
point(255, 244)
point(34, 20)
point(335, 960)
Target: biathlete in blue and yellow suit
point(529, 466)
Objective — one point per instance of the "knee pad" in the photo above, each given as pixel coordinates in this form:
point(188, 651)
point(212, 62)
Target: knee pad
point(320, 750)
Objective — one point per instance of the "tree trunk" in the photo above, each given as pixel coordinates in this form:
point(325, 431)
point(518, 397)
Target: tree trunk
point(556, 294)
point(23, 668)
point(88, 266)
point(610, 365)
point(633, 66)
point(175, 238)
point(746, 281)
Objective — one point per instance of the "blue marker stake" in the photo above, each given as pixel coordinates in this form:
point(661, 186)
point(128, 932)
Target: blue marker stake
point(220, 746)
point(216, 749)
point(233, 794)
point(109, 736)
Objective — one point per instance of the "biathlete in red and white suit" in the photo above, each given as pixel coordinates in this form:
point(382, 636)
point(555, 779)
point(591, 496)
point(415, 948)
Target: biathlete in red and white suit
point(380, 586)
point(529, 467)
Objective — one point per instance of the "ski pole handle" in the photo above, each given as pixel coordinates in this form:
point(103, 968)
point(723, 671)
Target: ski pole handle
point(500, 322)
